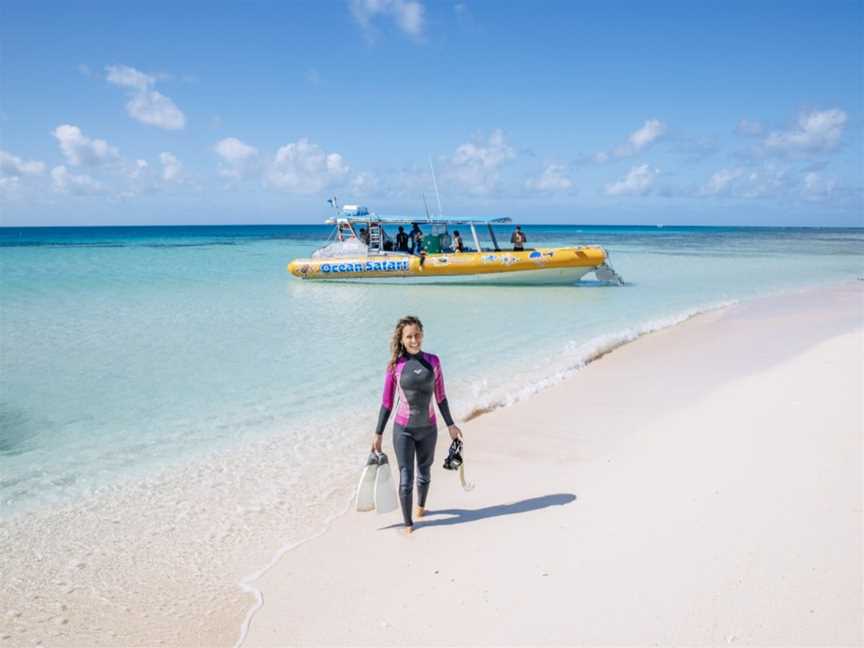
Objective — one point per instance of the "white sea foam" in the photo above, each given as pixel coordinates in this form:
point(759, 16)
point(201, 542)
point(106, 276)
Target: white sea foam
point(247, 582)
point(577, 355)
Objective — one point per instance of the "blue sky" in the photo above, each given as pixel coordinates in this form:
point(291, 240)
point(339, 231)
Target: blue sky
point(676, 113)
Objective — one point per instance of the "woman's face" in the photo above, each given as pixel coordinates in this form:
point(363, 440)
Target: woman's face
point(412, 338)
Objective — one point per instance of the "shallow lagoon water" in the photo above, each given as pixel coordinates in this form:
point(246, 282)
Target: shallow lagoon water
point(127, 350)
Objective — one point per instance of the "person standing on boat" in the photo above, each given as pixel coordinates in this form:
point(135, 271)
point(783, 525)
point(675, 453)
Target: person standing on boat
point(416, 376)
point(518, 239)
point(458, 245)
point(401, 240)
point(416, 239)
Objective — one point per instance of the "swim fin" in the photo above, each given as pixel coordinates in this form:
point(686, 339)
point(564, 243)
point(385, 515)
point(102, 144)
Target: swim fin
point(366, 488)
point(385, 491)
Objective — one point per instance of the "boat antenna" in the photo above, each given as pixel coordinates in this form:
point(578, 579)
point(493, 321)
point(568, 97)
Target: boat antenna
point(435, 182)
point(426, 205)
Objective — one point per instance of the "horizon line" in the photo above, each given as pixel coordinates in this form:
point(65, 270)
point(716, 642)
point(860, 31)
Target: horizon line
point(420, 222)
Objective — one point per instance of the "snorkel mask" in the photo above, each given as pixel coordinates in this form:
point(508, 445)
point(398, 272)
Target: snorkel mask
point(454, 456)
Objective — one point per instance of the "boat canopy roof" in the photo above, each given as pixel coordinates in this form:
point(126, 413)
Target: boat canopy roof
point(366, 216)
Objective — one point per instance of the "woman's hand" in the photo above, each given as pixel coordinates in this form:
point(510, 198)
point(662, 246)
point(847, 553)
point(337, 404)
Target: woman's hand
point(454, 431)
point(376, 442)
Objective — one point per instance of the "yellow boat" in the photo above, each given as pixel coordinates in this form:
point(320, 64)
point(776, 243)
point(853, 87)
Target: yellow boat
point(361, 249)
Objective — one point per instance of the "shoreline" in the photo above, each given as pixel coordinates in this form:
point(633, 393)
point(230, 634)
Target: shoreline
point(220, 610)
point(598, 347)
point(264, 624)
point(614, 342)
point(608, 345)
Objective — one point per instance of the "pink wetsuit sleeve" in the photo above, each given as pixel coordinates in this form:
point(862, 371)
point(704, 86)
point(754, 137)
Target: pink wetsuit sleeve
point(386, 400)
point(389, 389)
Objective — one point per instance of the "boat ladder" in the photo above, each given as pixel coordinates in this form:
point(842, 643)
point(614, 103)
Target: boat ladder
point(375, 237)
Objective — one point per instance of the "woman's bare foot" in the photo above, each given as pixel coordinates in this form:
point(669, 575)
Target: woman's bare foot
point(408, 530)
point(421, 512)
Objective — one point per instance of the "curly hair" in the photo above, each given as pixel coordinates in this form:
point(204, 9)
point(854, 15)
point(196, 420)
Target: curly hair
point(396, 348)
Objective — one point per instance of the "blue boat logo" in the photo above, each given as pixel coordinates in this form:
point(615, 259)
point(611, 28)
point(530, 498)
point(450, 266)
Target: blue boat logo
point(368, 266)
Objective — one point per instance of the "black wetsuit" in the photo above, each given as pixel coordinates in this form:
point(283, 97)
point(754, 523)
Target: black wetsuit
point(416, 378)
point(401, 242)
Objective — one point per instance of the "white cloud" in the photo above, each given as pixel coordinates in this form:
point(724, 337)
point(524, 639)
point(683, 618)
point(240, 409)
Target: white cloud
point(475, 165)
point(815, 132)
point(303, 167)
point(143, 177)
point(299, 167)
point(408, 15)
point(13, 166)
point(818, 188)
point(156, 109)
point(488, 154)
point(232, 149)
point(241, 160)
point(721, 182)
point(554, 178)
point(140, 167)
point(172, 169)
point(81, 150)
point(741, 182)
point(637, 182)
point(364, 184)
point(66, 182)
point(764, 183)
point(145, 104)
point(128, 77)
point(650, 132)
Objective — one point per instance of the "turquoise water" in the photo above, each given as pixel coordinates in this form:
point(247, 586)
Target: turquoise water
point(128, 350)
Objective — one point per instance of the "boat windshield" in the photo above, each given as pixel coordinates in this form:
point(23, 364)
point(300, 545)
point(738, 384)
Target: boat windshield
point(364, 236)
point(349, 248)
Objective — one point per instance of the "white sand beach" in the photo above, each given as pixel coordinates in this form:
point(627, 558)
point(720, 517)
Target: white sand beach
point(701, 485)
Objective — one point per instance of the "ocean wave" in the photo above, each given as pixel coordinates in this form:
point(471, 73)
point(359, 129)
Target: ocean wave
point(581, 354)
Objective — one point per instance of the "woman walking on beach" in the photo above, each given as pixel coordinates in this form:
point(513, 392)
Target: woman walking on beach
point(417, 377)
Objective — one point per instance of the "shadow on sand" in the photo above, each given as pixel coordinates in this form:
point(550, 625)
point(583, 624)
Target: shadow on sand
point(461, 516)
